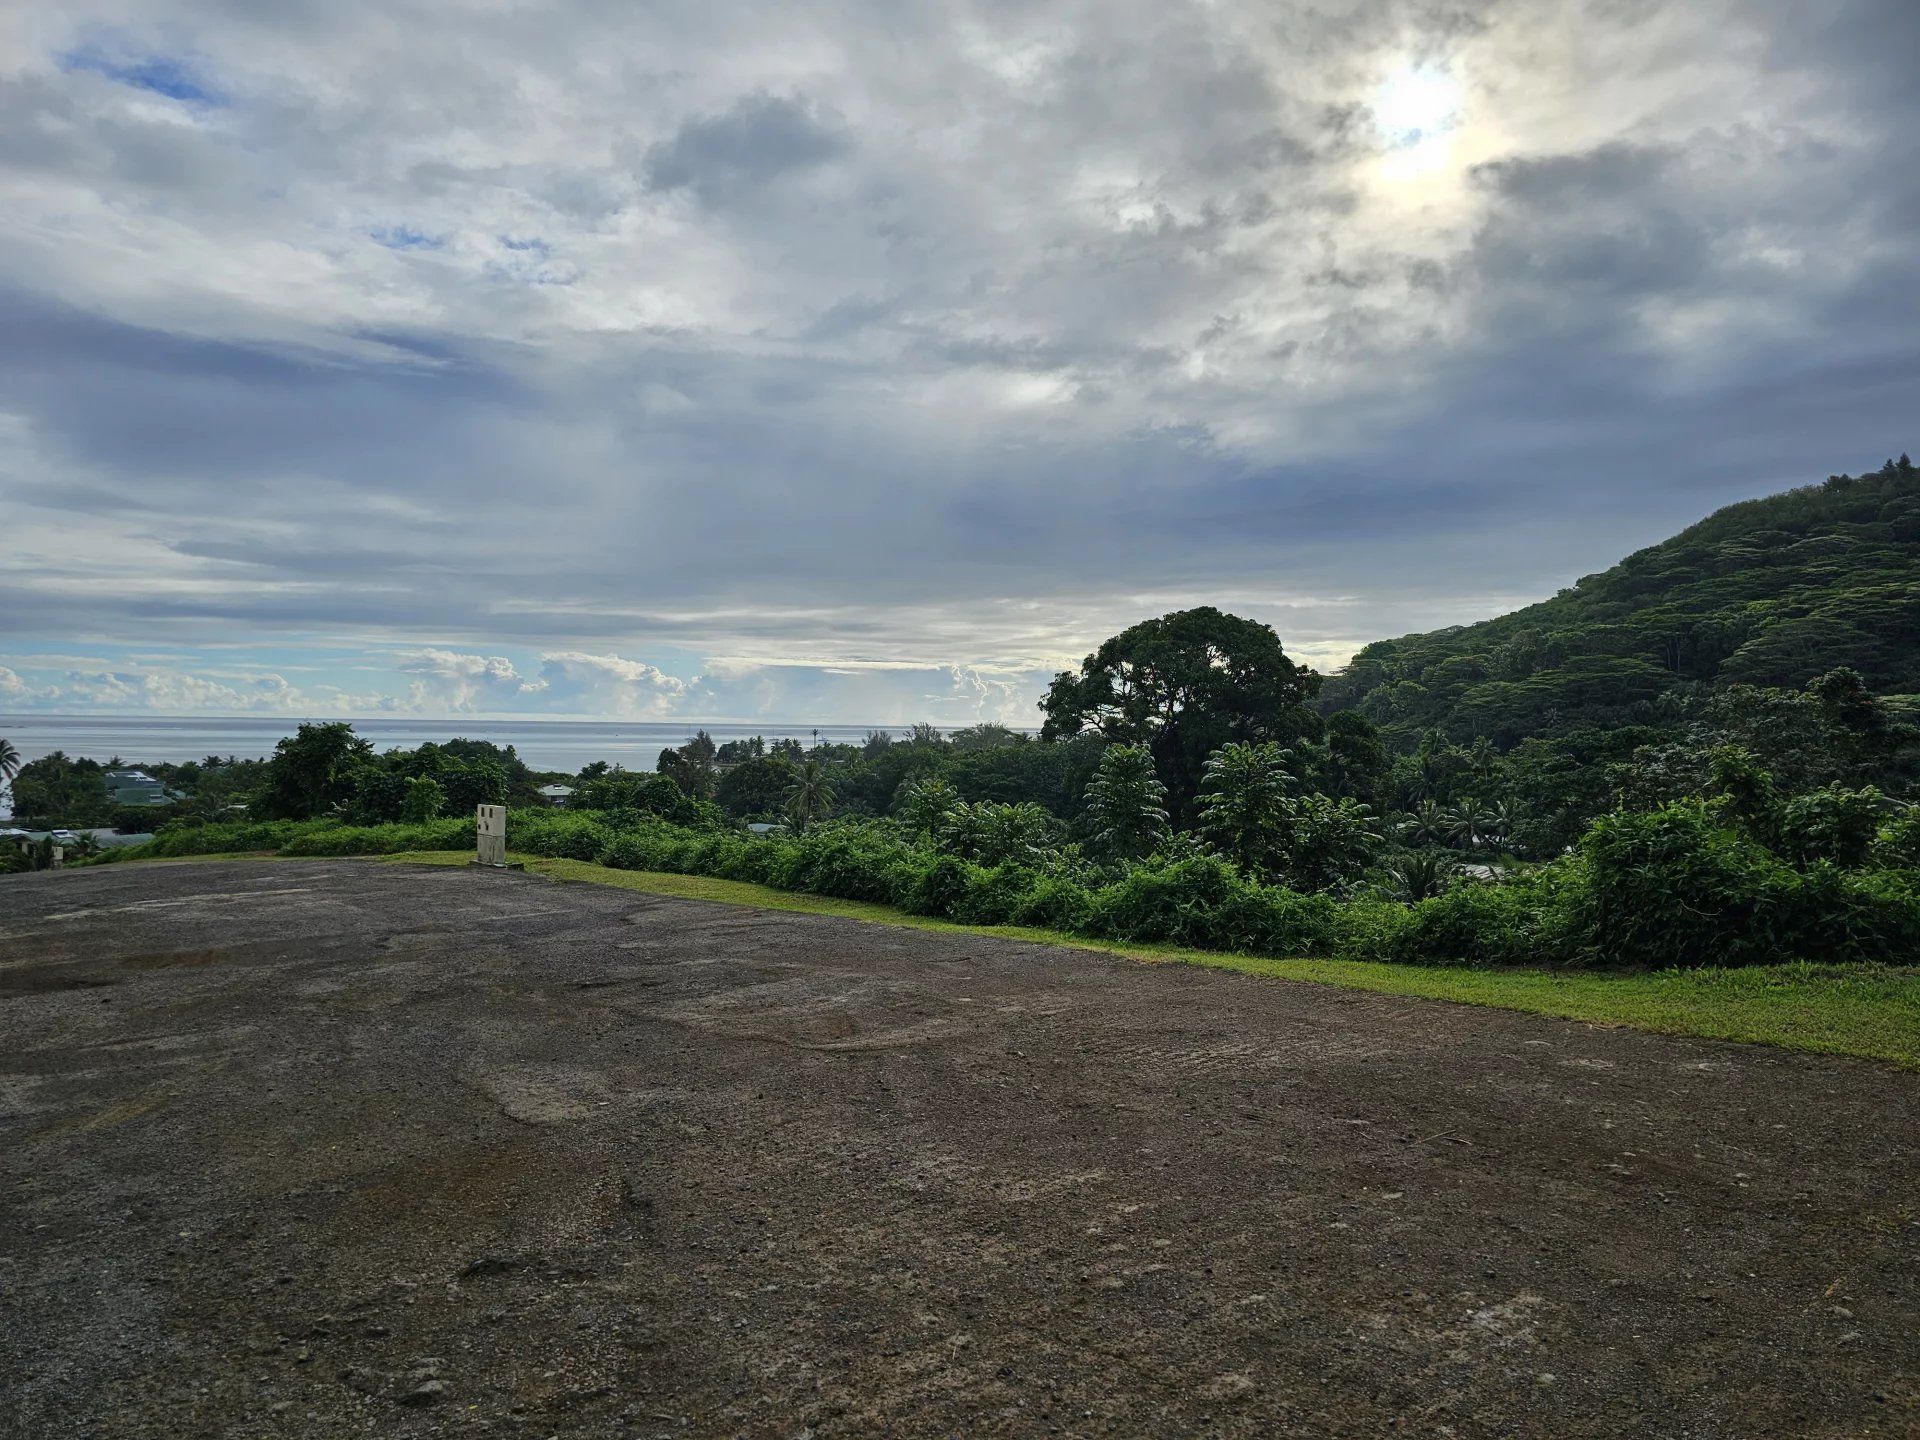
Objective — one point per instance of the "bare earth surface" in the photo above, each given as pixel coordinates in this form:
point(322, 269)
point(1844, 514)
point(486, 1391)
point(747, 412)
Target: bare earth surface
point(336, 1149)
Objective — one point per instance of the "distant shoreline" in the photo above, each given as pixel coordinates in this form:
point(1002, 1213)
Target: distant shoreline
point(547, 743)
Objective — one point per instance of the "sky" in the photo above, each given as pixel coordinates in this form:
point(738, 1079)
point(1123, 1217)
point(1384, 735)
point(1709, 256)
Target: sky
point(861, 362)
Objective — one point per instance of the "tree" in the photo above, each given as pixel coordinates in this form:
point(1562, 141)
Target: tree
point(472, 783)
point(1126, 813)
point(9, 762)
point(1417, 875)
point(1351, 760)
point(925, 804)
point(425, 800)
point(809, 794)
point(1429, 823)
point(1182, 686)
point(57, 789)
point(754, 788)
point(310, 770)
point(1324, 842)
point(987, 735)
point(1241, 793)
point(691, 766)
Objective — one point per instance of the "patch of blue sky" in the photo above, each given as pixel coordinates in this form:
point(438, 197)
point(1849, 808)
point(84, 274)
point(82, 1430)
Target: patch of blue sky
point(170, 76)
point(405, 237)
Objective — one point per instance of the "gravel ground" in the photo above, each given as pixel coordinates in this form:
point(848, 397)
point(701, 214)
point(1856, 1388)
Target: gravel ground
point(330, 1149)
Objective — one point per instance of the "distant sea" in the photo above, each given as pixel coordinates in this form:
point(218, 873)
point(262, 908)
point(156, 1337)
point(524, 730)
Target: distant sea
point(566, 745)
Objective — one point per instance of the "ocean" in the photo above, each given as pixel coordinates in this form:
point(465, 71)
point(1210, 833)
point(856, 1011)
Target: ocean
point(565, 745)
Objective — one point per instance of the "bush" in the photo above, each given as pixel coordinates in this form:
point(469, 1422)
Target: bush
point(939, 886)
point(1834, 824)
point(559, 834)
point(1054, 902)
point(1173, 904)
point(381, 839)
point(1676, 886)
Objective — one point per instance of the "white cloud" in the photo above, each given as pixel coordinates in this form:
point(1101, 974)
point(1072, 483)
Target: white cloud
point(448, 680)
point(609, 684)
point(906, 338)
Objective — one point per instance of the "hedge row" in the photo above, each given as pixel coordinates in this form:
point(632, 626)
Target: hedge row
point(1669, 888)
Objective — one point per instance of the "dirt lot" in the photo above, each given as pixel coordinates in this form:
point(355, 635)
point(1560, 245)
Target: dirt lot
point(333, 1148)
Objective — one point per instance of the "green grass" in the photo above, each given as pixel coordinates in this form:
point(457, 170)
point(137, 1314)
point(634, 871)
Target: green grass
point(1867, 1011)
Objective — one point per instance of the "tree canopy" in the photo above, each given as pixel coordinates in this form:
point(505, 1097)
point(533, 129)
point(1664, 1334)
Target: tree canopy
point(1182, 686)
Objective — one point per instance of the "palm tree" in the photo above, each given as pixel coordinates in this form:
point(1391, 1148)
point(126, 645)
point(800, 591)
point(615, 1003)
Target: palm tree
point(1468, 824)
point(1242, 792)
point(1126, 804)
point(9, 763)
point(1500, 823)
point(1428, 823)
point(1417, 875)
point(809, 794)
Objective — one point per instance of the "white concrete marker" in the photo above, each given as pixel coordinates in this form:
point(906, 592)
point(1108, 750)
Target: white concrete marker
point(490, 829)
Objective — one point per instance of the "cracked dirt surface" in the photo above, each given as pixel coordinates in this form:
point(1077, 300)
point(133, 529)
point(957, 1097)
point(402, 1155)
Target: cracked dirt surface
point(336, 1149)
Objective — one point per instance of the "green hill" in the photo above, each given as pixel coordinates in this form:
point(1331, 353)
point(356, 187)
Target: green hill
point(1767, 592)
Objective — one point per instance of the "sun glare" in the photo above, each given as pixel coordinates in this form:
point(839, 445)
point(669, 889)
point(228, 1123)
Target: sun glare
point(1414, 106)
point(1416, 109)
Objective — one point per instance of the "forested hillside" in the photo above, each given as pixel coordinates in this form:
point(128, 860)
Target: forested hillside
point(1769, 592)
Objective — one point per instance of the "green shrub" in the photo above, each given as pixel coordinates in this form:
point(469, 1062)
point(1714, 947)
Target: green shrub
point(1054, 902)
point(1171, 904)
point(1673, 887)
point(939, 887)
point(994, 897)
point(381, 839)
point(1834, 823)
point(559, 834)
point(1473, 925)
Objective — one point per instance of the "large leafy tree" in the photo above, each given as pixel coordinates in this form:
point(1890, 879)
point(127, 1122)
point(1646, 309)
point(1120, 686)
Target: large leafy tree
point(691, 767)
point(1182, 686)
point(60, 790)
point(754, 788)
point(1126, 815)
point(312, 771)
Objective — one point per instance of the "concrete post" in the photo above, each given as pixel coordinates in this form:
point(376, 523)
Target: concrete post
point(57, 858)
point(490, 829)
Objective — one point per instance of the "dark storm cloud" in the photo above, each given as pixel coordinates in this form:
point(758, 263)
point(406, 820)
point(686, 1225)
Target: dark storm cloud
point(759, 139)
point(951, 336)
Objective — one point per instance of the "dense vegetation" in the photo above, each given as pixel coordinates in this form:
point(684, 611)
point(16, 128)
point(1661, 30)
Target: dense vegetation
point(1771, 592)
point(1661, 767)
point(1706, 853)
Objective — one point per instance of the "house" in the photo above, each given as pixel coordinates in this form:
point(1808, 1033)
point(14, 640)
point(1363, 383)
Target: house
point(556, 794)
point(136, 787)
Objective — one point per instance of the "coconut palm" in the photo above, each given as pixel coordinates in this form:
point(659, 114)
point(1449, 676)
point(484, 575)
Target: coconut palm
point(1416, 875)
point(1428, 823)
point(1126, 804)
point(809, 794)
point(9, 762)
point(1500, 823)
point(1468, 824)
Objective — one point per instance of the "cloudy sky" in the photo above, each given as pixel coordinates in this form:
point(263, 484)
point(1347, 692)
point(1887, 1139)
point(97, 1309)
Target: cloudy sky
point(861, 361)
